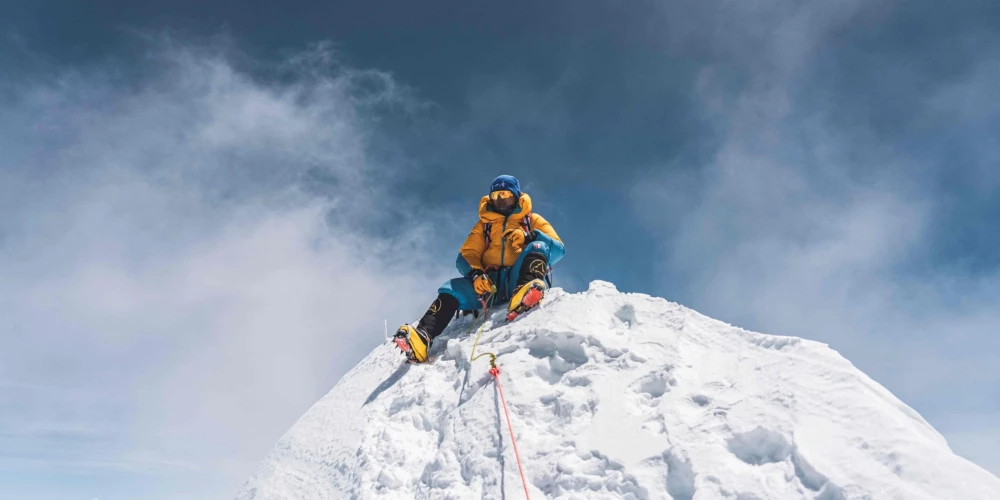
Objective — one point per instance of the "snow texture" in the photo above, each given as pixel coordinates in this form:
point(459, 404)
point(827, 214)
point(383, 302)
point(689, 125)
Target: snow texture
point(615, 395)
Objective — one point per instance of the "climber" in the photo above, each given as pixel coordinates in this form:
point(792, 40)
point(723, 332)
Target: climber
point(506, 256)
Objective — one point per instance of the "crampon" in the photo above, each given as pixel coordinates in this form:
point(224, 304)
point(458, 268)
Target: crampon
point(530, 295)
point(404, 346)
point(412, 343)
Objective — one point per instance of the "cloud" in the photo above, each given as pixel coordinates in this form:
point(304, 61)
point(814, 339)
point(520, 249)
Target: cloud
point(801, 225)
point(189, 258)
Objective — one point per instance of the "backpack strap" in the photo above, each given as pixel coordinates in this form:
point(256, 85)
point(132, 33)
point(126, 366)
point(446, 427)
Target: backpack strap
point(488, 228)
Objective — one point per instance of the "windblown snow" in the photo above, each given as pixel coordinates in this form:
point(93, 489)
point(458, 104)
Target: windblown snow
point(615, 395)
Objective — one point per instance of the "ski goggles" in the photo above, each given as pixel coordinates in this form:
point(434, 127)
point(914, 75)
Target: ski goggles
point(502, 196)
point(503, 201)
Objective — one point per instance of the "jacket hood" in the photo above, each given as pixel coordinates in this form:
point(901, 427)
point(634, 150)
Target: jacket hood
point(487, 215)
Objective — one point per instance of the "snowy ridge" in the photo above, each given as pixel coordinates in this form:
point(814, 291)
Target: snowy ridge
point(615, 395)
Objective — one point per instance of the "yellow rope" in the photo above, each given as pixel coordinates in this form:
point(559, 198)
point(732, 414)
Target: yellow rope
point(486, 313)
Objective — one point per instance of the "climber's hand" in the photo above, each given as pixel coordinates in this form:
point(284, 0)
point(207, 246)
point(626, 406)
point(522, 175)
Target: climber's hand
point(481, 282)
point(517, 238)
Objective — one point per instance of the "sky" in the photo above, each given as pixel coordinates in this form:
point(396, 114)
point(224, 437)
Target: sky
point(210, 210)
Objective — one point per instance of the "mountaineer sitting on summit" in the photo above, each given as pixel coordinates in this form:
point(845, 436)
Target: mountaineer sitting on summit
point(506, 257)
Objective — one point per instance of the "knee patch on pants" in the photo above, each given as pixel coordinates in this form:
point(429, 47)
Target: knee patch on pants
point(535, 266)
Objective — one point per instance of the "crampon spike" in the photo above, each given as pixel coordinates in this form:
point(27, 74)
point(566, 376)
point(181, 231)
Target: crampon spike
point(402, 344)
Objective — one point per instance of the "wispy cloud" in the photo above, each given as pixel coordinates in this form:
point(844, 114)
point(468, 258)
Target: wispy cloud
point(801, 225)
point(187, 256)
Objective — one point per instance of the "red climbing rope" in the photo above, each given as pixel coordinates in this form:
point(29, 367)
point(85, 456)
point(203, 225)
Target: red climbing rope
point(495, 371)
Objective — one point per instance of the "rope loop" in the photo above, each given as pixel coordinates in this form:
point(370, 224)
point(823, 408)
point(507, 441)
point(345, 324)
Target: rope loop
point(486, 300)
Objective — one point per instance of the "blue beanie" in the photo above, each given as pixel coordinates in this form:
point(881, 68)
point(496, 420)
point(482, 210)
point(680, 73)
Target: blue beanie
point(506, 182)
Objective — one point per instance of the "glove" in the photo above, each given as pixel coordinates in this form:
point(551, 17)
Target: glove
point(517, 238)
point(481, 282)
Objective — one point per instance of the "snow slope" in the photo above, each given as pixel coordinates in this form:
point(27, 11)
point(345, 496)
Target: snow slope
point(615, 395)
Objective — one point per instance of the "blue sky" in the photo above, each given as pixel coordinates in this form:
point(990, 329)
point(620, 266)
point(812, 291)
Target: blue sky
point(207, 209)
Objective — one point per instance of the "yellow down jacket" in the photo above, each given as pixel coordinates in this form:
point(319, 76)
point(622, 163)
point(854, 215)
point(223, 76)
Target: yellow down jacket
point(475, 250)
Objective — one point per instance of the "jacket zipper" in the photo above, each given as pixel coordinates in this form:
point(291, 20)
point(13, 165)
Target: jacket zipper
point(503, 248)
